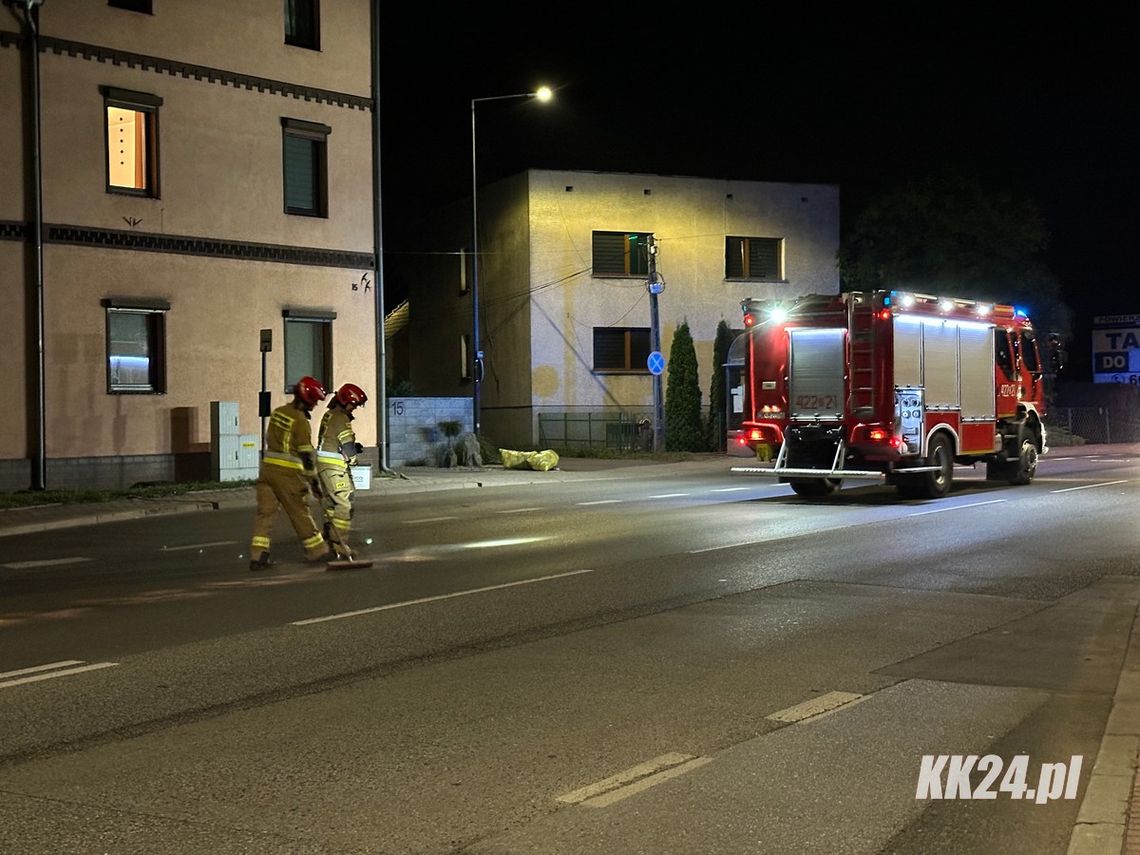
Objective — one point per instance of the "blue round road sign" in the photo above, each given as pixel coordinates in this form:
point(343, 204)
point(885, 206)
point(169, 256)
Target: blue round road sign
point(656, 362)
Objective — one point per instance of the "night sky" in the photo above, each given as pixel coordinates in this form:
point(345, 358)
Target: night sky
point(1046, 106)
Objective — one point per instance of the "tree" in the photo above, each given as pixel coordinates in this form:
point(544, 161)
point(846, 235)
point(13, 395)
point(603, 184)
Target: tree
point(947, 235)
point(683, 395)
point(717, 403)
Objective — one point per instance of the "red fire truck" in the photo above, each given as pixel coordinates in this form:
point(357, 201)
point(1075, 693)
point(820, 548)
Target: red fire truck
point(891, 387)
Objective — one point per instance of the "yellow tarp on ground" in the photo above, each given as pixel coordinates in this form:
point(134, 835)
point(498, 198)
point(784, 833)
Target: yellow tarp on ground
point(542, 461)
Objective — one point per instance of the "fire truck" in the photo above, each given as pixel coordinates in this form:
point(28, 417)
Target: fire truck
point(891, 387)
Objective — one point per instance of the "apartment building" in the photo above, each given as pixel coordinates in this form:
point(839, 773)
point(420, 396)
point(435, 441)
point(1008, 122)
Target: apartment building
point(564, 308)
point(206, 176)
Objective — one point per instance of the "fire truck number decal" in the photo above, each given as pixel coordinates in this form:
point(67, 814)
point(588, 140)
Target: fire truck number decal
point(1008, 390)
point(817, 402)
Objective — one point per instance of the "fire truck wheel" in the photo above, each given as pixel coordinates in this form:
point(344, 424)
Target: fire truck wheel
point(814, 488)
point(1026, 465)
point(932, 485)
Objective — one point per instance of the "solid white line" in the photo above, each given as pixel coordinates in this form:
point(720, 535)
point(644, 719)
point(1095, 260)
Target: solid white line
point(602, 502)
point(65, 673)
point(1090, 486)
point(197, 545)
point(50, 562)
point(61, 664)
point(729, 489)
point(957, 507)
point(429, 519)
point(1053, 459)
point(518, 510)
point(437, 598)
point(668, 495)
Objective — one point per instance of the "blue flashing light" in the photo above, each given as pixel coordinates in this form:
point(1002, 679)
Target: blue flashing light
point(1021, 313)
point(887, 300)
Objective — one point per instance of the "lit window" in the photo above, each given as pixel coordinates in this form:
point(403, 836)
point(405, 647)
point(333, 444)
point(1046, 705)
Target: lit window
point(308, 346)
point(753, 258)
point(136, 344)
point(621, 253)
point(621, 349)
point(466, 259)
point(305, 155)
point(303, 23)
point(132, 141)
point(465, 356)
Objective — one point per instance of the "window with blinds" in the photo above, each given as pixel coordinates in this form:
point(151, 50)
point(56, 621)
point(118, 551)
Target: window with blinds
point(623, 349)
point(305, 157)
point(621, 253)
point(754, 258)
point(303, 23)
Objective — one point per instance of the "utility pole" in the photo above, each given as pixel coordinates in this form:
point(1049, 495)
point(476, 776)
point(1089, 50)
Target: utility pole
point(655, 287)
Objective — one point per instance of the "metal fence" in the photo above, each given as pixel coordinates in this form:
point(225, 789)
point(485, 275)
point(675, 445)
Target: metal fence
point(1080, 425)
point(618, 430)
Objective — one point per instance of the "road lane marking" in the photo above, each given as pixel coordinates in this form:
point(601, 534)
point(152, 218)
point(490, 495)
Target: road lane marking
point(49, 562)
point(729, 489)
point(66, 672)
point(35, 668)
point(643, 783)
point(439, 597)
point(518, 511)
point(816, 706)
point(506, 541)
point(602, 502)
point(628, 776)
point(667, 495)
point(1090, 486)
point(956, 507)
point(1052, 459)
point(429, 520)
point(198, 545)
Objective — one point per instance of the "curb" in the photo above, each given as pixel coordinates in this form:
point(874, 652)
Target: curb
point(108, 516)
point(1110, 809)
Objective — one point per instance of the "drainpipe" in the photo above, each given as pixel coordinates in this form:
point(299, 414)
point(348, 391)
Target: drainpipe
point(32, 35)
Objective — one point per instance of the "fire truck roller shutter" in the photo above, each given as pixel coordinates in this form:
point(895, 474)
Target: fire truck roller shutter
point(940, 363)
point(976, 348)
point(817, 366)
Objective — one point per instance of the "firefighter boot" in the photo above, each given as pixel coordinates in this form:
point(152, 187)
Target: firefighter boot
point(261, 562)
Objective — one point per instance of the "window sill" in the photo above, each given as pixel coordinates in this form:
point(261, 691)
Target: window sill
point(127, 191)
point(317, 215)
point(759, 280)
point(639, 276)
point(636, 372)
point(135, 392)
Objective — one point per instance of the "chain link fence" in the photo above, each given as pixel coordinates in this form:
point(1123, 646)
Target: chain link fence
point(1081, 425)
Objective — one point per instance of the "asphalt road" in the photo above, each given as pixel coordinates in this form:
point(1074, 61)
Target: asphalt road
point(513, 646)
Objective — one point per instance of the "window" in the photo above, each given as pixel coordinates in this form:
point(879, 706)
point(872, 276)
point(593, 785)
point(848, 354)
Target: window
point(1003, 356)
point(1028, 347)
point(466, 259)
point(303, 23)
point(136, 345)
point(465, 356)
point(621, 254)
point(308, 346)
point(146, 6)
point(131, 120)
point(753, 258)
point(621, 349)
point(305, 158)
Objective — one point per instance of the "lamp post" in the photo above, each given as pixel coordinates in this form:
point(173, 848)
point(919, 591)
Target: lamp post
point(543, 93)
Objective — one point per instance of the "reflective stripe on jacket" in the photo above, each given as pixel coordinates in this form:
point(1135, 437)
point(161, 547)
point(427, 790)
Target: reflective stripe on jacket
point(289, 441)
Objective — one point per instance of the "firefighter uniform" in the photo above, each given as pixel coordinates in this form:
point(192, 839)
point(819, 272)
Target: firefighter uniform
point(336, 453)
point(286, 475)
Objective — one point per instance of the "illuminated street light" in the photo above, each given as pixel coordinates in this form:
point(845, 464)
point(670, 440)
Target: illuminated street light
point(543, 94)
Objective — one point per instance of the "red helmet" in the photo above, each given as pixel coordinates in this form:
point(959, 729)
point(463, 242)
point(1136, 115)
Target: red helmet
point(350, 393)
point(310, 390)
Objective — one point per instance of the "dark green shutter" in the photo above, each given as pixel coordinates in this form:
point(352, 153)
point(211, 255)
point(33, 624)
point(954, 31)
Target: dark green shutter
point(300, 174)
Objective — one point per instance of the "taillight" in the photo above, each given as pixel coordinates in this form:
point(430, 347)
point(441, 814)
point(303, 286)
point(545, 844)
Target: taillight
point(877, 435)
point(755, 435)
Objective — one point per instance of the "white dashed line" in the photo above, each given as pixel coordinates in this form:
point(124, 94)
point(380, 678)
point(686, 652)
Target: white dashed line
point(1090, 486)
point(519, 511)
point(66, 672)
point(422, 600)
point(430, 520)
point(197, 546)
point(50, 562)
point(729, 489)
point(602, 502)
point(957, 508)
point(667, 495)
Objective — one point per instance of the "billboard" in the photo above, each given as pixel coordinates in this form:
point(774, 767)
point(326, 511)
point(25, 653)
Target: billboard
point(1116, 349)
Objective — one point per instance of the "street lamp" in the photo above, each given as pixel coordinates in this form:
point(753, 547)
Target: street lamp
point(543, 93)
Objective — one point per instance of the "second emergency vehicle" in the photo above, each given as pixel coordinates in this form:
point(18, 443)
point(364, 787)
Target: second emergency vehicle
point(891, 387)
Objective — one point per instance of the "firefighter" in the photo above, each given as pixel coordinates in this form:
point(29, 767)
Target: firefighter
point(288, 472)
point(337, 450)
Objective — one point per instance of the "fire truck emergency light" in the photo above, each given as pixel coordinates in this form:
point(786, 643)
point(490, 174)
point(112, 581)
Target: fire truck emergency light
point(779, 314)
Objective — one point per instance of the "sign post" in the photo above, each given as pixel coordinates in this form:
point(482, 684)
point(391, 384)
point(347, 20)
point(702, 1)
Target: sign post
point(263, 399)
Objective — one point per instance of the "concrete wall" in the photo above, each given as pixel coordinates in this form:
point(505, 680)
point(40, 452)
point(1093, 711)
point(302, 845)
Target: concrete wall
point(413, 427)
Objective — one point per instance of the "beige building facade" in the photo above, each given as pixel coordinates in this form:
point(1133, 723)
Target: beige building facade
point(564, 307)
point(206, 175)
